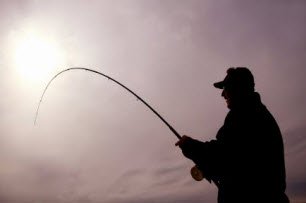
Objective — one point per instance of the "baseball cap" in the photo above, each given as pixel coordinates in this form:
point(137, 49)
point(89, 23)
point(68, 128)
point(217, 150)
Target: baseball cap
point(239, 77)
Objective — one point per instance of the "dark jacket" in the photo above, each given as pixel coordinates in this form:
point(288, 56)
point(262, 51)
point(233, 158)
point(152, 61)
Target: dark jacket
point(247, 157)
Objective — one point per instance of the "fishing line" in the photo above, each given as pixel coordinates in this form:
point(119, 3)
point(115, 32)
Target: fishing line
point(112, 79)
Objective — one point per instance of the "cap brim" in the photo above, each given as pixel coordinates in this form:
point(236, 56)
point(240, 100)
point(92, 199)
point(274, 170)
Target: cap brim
point(219, 85)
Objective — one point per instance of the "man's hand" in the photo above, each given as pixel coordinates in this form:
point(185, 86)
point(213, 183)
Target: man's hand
point(182, 141)
point(187, 145)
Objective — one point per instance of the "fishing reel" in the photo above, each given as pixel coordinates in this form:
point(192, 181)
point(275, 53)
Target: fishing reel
point(196, 173)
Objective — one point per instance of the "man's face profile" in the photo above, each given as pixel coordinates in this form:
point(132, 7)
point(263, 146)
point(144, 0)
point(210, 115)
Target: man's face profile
point(226, 94)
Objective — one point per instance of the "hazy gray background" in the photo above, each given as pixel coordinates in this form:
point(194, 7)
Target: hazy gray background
point(94, 142)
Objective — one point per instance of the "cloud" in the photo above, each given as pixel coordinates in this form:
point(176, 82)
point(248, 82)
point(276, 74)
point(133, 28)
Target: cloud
point(295, 143)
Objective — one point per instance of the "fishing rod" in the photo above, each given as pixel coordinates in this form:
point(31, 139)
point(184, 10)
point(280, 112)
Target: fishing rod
point(112, 79)
point(195, 172)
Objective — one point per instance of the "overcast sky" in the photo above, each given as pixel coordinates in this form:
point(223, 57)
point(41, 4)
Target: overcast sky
point(93, 141)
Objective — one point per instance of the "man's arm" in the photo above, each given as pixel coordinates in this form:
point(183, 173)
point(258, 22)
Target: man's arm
point(204, 154)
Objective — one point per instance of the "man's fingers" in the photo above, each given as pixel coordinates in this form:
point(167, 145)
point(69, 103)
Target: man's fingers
point(182, 140)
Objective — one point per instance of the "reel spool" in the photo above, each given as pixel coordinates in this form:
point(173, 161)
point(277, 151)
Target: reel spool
point(196, 173)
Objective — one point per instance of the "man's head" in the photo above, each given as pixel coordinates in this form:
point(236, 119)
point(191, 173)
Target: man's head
point(238, 83)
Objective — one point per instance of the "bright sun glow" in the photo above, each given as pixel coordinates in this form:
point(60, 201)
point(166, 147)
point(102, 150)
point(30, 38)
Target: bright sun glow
point(36, 56)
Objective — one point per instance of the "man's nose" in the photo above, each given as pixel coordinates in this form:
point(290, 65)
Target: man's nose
point(223, 94)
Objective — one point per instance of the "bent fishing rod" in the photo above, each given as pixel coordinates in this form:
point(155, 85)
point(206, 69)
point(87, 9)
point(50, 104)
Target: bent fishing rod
point(112, 79)
point(195, 172)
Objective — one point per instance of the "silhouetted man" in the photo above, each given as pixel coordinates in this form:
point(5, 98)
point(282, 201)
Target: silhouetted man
point(246, 160)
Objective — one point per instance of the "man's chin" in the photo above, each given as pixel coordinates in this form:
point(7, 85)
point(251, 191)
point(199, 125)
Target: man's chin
point(228, 104)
